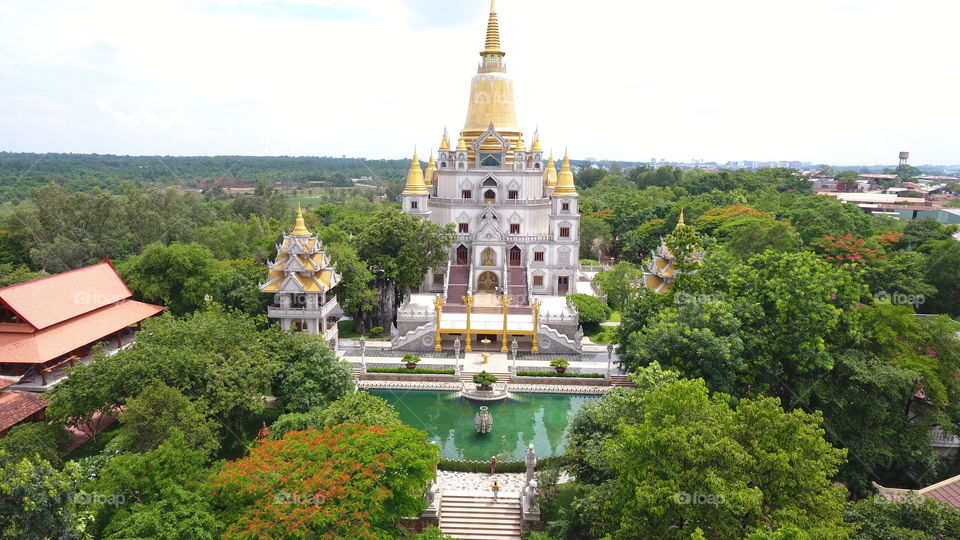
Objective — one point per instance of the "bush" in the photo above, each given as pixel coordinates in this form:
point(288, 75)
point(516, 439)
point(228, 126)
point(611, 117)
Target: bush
point(49, 441)
point(418, 371)
point(562, 363)
point(474, 466)
point(377, 332)
point(592, 309)
point(555, 374)
point(484, 379)
point(590, 262)
point(410, 359)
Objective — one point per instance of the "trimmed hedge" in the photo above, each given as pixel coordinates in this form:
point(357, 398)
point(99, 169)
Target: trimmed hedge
point(405, 371)
point(473, 466)
point(555, 374)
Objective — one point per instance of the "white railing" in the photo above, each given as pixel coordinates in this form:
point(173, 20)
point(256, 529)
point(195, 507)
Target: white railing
point(587, 268)
point(413, 335)
point(446, 280)
point(529, 283)
point(498, 202)
point(470, 279)
point(506, 274)
point(941, 439)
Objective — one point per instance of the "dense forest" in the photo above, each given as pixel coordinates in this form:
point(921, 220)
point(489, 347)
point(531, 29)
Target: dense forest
point(83, 172)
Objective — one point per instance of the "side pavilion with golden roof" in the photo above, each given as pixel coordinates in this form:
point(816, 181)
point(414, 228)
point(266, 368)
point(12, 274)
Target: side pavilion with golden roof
point(300, 280)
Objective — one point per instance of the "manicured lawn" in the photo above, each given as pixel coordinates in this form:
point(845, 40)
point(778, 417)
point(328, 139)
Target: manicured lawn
point(616, 316)
point(561, 500)
point(602, 335)
point(346, 331)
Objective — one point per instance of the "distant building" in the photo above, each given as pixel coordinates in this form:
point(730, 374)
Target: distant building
point(661, 271)
point(19, 407)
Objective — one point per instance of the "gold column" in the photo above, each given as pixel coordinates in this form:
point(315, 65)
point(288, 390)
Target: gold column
point(535, 349)
point(468, 301)
point(438, 306)
point(506, 301)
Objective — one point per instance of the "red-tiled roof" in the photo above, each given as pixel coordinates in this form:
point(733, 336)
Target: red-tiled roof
point(56, 341)
point(16, 407)
point(5, 383)
point(947, 492)
point(53, 299)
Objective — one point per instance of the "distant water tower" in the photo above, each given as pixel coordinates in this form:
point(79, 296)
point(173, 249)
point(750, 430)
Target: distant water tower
point(904, 156)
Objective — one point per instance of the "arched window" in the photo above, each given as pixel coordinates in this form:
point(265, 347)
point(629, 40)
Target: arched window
point(490, 182)
point(489, 196)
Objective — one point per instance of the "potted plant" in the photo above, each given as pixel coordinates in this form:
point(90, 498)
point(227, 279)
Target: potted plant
point(561, 365)
point(411, 361)
point(484, 381)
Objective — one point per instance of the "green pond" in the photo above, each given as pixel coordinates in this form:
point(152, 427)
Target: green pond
point(448, 419)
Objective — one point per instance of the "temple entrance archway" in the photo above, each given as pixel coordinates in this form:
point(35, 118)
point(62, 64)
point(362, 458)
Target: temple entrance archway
point(488, 282)
point(462, 255)
point(515, 255)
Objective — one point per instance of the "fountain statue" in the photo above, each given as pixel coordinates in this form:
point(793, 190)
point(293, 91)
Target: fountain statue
point(483, 420)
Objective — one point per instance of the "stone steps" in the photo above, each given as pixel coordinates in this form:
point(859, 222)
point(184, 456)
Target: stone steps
point(620, 380)
point(470, 517)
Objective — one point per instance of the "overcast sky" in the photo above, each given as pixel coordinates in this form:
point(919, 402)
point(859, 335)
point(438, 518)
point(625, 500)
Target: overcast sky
point(827, 81)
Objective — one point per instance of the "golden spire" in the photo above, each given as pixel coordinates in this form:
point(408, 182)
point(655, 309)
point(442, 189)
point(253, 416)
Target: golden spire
point(445, 143)
point(415, 185)
point(536, 142)
point(300, 228)
point(462, 143)
point(431, 170)
point(491, 91)
point(493, 32)
point(551, 173)
point(565, 185)
point(681, 222)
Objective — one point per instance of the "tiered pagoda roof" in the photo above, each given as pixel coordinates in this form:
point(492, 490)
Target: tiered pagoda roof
point(302, 266)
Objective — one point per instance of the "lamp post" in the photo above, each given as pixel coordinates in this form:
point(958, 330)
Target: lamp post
point(456, 356)
point(505, 301)
point(609, 358)
point(535, 348)
point(363, 355)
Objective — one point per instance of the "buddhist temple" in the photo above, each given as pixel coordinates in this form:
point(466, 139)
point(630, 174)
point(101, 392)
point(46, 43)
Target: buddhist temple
point(661, 270)
point(300, 281)
point(51, 323)
point(517, 219)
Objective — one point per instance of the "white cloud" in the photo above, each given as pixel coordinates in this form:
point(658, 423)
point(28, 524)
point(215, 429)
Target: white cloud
point(826, 81)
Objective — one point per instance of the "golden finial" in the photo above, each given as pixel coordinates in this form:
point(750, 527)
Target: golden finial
point(493, 31)
point(536, 142)
point(462, 144)
point(431, 170)
point(565, 185)
point(551, 173)
point(300, 228)
point(681, 222)
point(445, 143)
point(415, 184)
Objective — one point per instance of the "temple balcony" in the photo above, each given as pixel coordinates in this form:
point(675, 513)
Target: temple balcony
point(939, 439)
point(296, 312)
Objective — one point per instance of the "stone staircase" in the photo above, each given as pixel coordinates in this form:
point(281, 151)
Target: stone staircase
point(502, 377)
point(518, 286)
point(469, 516)
point(620, 380)
point(457, 287)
